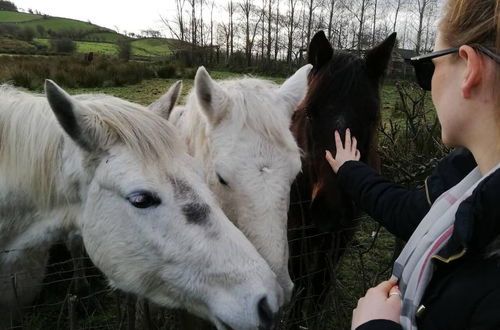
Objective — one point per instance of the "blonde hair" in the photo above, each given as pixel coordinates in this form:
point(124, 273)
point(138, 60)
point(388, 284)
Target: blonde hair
point(472, 22)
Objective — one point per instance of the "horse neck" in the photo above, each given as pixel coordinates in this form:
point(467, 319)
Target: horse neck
point(37, 190)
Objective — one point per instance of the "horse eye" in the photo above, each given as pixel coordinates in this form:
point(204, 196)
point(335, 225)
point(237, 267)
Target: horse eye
point(143, 199)
point(221, 180)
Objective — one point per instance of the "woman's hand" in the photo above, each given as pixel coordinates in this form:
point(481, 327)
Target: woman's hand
point(344, 153)
point(381, 302)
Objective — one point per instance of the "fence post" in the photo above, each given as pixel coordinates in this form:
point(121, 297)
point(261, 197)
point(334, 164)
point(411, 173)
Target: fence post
point(73, 322)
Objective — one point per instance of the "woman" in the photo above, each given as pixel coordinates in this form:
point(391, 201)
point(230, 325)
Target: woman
point(448, 274)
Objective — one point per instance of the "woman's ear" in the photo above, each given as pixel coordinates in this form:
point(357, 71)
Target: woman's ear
point(474, 69)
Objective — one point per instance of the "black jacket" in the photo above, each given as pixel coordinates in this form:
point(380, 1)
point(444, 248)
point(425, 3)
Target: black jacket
point(464, 292)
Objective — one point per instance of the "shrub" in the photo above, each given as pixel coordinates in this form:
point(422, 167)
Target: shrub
point(64, 45)
point(72, 71)
point(27, 33)
point(124, 49)
point(167, 71)
point(410, 143)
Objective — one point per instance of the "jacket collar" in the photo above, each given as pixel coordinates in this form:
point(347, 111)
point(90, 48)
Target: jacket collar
point(477, 223)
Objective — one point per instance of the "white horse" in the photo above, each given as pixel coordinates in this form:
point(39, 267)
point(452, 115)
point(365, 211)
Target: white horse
point(118, 173)
point(239, 130)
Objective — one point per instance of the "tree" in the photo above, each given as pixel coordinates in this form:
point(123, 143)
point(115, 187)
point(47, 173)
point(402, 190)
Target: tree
point(248, 9)
point(124, 49)
point(64, 45)
point(7, 6)
point(330, 19)
point(291, 29)
point(231, 10)
point(177, 27)
point(311, 6)
point(399, 4)
point(276, 31)
point(422, 6)
point(269, 29)
point(374, 22)
point(26, 33)
point(151, 33)
point(41, 30)
point(194, 24)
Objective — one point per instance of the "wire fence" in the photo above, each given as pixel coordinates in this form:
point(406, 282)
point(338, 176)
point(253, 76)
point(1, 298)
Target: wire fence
point(69, 292)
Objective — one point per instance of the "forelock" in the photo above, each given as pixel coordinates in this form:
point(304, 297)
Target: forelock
point(145, 133)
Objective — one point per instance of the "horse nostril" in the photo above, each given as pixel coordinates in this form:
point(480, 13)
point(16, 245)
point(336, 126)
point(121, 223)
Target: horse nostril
point(265, 314)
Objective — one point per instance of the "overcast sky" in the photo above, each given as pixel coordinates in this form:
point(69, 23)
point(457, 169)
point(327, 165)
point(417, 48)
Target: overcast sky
point(108, 13)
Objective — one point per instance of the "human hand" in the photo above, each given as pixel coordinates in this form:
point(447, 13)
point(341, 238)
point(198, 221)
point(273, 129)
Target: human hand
point(381, 302)
point(344, 153)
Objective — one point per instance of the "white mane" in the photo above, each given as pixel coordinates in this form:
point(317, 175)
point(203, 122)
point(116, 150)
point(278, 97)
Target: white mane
point(31, 139)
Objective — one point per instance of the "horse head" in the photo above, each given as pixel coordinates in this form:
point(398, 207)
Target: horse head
point(240, 130)
point(343, 93)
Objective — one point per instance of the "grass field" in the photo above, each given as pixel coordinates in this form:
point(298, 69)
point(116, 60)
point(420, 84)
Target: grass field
point(60, 24)
point(87, 46)
point(11, 16)
point(8, 45)
point(151, 47)
point(104, 36)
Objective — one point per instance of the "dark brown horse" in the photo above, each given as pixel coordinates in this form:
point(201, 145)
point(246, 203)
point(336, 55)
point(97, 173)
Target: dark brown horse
point(344, 92)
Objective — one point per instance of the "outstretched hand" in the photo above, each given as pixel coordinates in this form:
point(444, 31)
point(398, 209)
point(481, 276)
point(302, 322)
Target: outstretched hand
point(345, 152)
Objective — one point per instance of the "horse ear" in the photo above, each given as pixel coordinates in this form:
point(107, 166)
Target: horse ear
point(71, 116)
point(294, 89)
point(210, 96)
point(164, 105)
point(377, 59)
point(320, 51)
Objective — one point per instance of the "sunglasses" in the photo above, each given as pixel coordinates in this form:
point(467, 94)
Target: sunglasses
point(424, 67)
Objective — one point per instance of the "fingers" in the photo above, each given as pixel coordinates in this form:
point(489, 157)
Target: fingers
point(395, 297)
point(354, 144)
point(333, 163)
point(329, 158)
point(348, 139)
point(394, 292)
point(386, 285)
point(338, 141)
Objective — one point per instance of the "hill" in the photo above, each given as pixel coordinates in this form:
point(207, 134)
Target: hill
point(88, 37)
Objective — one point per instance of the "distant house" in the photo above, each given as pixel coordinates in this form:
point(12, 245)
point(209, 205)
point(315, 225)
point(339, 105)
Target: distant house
point(400, 69)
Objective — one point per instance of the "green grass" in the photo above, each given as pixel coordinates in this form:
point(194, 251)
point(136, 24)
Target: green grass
point(87, 46)
point(11, 16)
point(41, 41)
point(60, 24)
point(8, 45)
point(96, 47)
point(151, 47)
point(104, 36)
point(150, 90)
